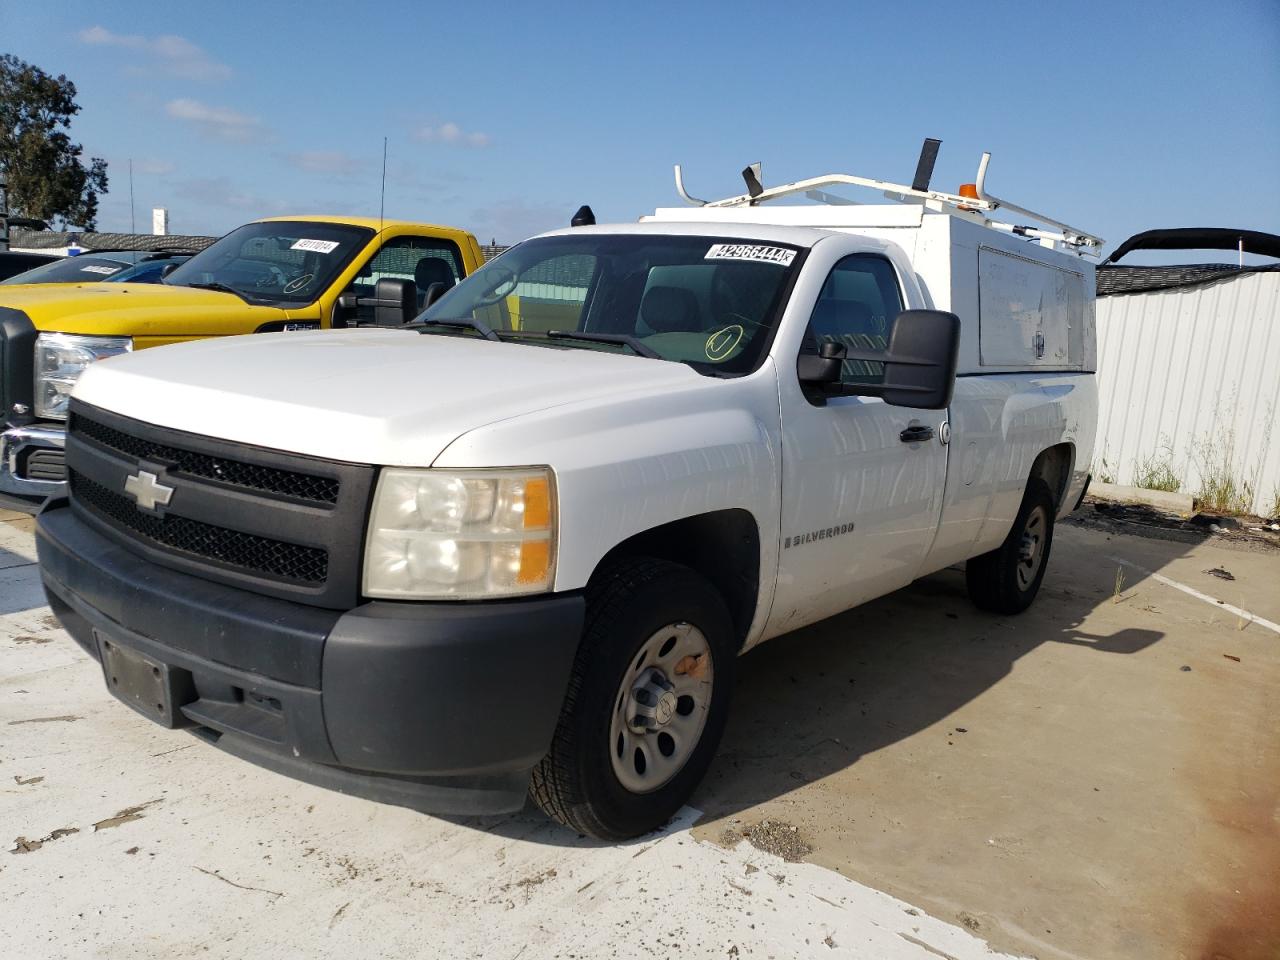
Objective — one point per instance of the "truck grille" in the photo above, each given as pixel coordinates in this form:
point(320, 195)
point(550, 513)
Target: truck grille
point(231, 547)
point(234, 472)
point(276, 523)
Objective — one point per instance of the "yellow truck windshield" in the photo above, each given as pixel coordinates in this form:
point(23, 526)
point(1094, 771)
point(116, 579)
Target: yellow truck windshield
point(275, 262)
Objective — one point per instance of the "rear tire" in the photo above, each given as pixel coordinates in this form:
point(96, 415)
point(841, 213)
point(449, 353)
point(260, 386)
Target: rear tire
point(1007, 579)
point(643, 713)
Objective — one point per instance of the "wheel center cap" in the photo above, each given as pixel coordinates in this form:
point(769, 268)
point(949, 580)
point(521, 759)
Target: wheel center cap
point(665, 708)
point(653, 702)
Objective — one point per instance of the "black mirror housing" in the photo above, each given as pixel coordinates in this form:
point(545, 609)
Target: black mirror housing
point(395, 302)
point(822, 368)
point(919, 366)
point(344, 311)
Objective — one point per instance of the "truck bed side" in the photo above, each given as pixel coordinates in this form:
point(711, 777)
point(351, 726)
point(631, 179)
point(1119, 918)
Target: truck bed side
point(1001, 424)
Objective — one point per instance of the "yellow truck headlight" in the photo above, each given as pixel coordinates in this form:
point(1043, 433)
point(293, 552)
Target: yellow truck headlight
point(461, 534)
point(60, 359)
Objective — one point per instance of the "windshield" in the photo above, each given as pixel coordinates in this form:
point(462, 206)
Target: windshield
point(150, 271)
point(276, 261)
point(82, 269)
point(705, 301)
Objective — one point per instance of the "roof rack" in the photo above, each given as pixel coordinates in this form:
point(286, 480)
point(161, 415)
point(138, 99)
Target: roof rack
point(918, 192)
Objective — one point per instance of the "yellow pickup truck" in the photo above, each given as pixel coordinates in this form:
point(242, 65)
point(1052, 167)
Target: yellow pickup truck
point(279, 274)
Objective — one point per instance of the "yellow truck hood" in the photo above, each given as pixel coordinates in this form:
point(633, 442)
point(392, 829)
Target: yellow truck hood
point(139, 309)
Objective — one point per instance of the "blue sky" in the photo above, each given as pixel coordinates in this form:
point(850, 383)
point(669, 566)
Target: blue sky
point(1115, 116)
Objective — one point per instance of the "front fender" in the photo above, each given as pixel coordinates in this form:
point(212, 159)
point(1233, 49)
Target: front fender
point(629, 463)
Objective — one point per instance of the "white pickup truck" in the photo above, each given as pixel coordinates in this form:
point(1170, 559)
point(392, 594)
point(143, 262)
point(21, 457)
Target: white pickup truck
point(516, 547)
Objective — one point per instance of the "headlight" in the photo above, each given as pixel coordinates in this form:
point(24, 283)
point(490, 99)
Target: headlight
point(60, 359)
point(461, 534)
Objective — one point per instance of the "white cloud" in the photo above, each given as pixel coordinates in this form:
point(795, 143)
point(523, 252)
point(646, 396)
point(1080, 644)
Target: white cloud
point(221, 123)
point(335, 162)
point(169, 53)
point(453, 135)
point(513, 220)
point(153, 168)
point(222, 194)
point(214, 205)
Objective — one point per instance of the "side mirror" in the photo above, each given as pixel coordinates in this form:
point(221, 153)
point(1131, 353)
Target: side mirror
point(434, 292)
point(822, 368)
point(167, 269)
point(344, 312)
point(919, 366)
point(394, 302)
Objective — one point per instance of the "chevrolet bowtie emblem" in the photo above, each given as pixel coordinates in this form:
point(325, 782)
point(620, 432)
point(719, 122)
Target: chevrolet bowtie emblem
point(145, 487)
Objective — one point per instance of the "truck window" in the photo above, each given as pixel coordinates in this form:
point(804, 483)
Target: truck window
point(550, 294)
point(275, 261)
point(424, 260)
point(856, 306)
point(710, 302)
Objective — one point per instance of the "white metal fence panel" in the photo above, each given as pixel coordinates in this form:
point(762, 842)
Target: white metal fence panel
point(1189, 391)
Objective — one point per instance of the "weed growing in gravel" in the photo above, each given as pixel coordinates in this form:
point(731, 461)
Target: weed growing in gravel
point(1156, 471)
point(1118, 594)
point(1220, 488)
point(1104, 472)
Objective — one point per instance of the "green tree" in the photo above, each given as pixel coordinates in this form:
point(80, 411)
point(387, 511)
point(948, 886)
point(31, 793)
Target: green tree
point(46, 177)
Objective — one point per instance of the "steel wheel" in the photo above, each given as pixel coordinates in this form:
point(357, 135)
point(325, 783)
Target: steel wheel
point(1007, 579)
point(647, 700)
point(1031, 547)
point(661, 707)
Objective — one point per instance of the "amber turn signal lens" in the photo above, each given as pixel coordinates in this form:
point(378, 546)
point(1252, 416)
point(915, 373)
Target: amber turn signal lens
point(535, 561)
point(537, 504)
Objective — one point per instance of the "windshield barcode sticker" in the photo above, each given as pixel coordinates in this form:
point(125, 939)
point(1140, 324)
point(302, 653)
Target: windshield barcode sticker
point(750, 251)
point(105, 271)
point(315, 246)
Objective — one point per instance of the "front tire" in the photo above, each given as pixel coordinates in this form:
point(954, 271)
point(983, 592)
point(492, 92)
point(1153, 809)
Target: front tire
point(646, 705)
point(1007, 579)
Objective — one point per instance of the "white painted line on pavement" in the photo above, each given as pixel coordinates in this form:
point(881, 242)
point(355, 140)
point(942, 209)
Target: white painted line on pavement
point(1193, 592)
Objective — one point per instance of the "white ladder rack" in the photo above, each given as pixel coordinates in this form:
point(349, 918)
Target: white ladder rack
point(918, 193)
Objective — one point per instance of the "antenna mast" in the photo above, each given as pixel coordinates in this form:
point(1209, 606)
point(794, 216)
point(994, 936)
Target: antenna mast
point(382, 200)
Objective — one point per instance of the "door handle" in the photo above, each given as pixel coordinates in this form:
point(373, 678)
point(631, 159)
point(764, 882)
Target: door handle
point(916, 433)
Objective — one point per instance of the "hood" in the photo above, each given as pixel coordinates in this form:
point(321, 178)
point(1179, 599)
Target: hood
point(392, 397)
point(135, 309)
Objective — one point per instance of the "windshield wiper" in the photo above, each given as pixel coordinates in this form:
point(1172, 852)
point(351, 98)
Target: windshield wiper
point(470, 323)
point(638, 346)
point(462, 323)
point(222, 288)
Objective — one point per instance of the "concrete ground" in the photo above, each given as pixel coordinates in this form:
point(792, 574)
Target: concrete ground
point(1098, 778)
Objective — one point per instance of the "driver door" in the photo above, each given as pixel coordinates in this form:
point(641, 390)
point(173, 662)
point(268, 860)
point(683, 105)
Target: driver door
point(423, 260)
point(860, 505)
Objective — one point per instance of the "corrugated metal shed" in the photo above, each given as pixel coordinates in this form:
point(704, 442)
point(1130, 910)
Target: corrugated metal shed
point(1189, 385)
point(1113, 278)
point(51, 240)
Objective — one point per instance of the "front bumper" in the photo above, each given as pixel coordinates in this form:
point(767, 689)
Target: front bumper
point(442, 707)
point(32, 462)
